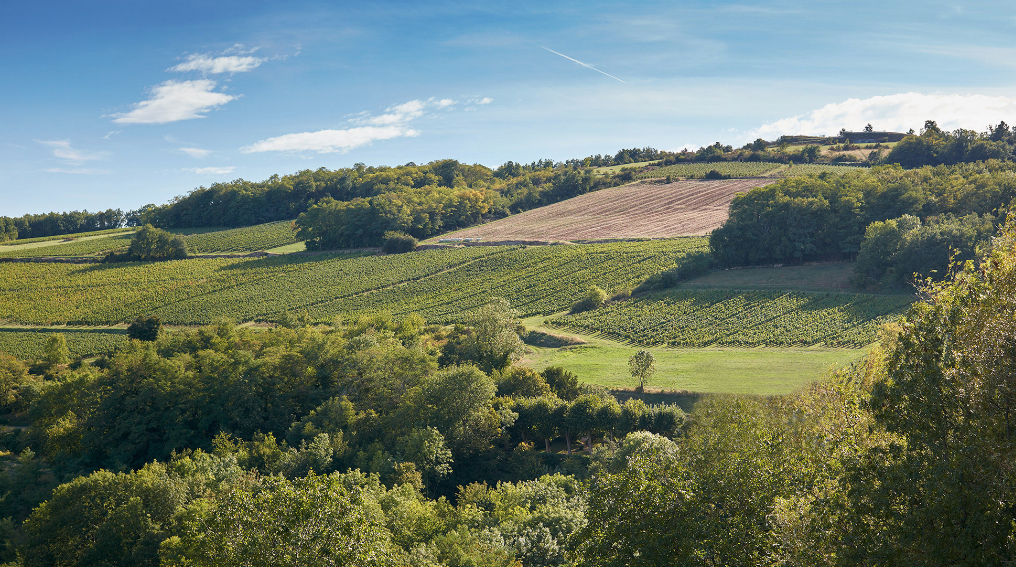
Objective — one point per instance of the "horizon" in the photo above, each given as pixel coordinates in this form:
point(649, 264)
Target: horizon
point(118, 106)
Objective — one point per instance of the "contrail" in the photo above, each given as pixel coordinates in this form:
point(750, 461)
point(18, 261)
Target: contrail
point(579, 62)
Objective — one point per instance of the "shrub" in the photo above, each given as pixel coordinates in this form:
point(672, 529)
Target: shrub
point(398, 243)
point(594, 298)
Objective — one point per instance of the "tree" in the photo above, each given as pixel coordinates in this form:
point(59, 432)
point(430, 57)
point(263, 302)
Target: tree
point(152, 244)
point(55, 352)
point(397, 243)
point(145, 328)
point(642, 365)
point(594, 298)
point(869, 128)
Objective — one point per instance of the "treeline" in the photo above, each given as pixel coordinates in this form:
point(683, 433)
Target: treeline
point(826, 217)
point(936, 147)
point(904, 458)
point(55, 224)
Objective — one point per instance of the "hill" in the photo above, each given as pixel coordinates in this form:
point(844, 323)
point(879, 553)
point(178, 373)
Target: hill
point(639, 210)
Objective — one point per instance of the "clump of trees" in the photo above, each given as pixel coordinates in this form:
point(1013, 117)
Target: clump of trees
point(397, 243)
point(594, 298)
point(151, 244)
point(825, 216)
point(936, 147)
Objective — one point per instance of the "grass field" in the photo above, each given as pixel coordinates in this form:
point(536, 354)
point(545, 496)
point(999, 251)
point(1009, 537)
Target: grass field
point(441, 285)
point(83, 246)
point(761, 371)
point(61, 237)
point(640, 210)
point(699, 318)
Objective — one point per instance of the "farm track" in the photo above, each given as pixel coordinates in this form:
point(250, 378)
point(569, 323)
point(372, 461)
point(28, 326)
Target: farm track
point(639, 210)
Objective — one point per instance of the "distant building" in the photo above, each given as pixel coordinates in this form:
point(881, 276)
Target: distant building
point(870, 137)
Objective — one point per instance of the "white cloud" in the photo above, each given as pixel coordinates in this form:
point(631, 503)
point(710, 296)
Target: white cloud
point(211, 170)
point(175, 100)
point(329, 141)
point(394, 123)
point(205, 63)
point(79, 171)
point(62, 150)
point(898, 113)
point(110, 134)
point(484, 100)
point(195, 152)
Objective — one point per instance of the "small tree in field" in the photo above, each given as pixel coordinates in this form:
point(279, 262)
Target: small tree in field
point(642, 365)
point(145, 328)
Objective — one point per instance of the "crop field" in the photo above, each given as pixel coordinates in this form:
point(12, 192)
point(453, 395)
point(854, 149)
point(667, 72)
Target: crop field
point(730, 168)
point(826, 276)
point(75, 235)
point(800, 170)
point(640, 210)
point(247, 239)
point(28, 344)
point(441, 285)
point(88, 246)
point(690, 318)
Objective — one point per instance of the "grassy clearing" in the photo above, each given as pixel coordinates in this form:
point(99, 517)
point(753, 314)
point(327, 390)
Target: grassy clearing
point(80, 246)
point(760, 371)
point(62, 237)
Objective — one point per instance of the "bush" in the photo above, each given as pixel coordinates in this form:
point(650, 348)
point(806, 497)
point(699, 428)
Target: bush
point(145, 328)
point(594, 298)
point(714, 174)
point(398, 243)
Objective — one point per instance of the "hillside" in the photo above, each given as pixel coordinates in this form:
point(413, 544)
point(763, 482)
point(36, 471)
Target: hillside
point(639, 210)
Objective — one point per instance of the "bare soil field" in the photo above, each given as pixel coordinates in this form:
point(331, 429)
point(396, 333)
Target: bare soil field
point(639, 210)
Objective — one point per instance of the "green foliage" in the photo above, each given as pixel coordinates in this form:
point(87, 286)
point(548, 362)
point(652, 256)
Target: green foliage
point(55, 352)
point(145, 328)
point(492, 342)
point(825, 216)
point(935, 147)
point(642, 366)
point(594, 298)
point(749, 318)
point(397, 243)
point(151, 244)
point(563, 383)
point(895, 250)
point(700, 170)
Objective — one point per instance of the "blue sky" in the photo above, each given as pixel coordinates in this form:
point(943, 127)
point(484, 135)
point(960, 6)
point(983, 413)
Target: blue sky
point(118, 104)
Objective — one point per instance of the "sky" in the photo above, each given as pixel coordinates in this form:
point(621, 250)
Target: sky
point(116, 104)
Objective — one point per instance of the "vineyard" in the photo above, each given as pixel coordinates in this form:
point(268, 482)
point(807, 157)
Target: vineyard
point(21, 241)
point(246, 239)
point(28, 344)
point(727, 168)
point(816, 168)
point(747, 319)
point(83, 247)
point(641, 210)
point(441, 285)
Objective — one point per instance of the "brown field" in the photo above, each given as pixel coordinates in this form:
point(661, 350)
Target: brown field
point(640, 210)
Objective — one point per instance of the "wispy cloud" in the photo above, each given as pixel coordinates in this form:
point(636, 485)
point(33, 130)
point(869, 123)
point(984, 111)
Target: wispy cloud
point(484, 100)
point(394, 123)
point(898, 112)
point(78, 171)
point(195, 152)
point(211, 170)
point(110, 134)
point(208, 64)
point(577, 61)
point(62, 150)
point(175, 100)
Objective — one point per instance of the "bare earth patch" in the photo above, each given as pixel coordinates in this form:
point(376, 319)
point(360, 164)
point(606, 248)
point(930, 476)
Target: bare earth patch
point(640, 210)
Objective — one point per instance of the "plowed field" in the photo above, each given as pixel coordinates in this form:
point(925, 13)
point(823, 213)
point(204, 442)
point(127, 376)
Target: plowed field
point(641, 210)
